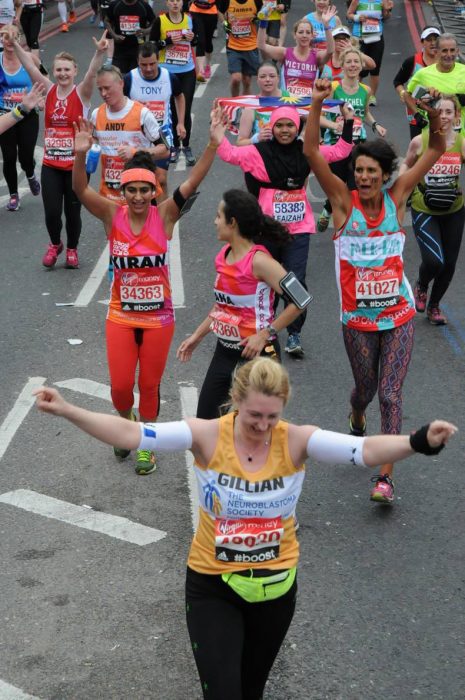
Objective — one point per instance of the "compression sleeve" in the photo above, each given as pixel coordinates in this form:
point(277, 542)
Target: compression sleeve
point(336, 448)
point(165, 437)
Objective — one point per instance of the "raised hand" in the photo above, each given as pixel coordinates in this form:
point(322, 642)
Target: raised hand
point(102, 43)
point(33, 98)
point(439, 432)
point(328, 14)
point(218, 124)
point(83, 131)
point(322, 89)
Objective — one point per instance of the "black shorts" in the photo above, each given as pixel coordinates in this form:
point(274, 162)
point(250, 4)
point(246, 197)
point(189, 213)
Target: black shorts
point(374, 51)
point(273, 28)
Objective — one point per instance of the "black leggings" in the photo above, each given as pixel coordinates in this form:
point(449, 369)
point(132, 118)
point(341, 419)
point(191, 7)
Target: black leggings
point(235, 643)
point(439, 239)
point(18, 143)
point(215, 388)
point(57, 190)
point(31, 23)
point(206, 25)
point(188, 82)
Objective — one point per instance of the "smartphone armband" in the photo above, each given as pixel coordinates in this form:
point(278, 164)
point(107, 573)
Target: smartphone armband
point(294, 291)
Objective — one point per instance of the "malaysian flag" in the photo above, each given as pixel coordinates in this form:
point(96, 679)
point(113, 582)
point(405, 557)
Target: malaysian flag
point(233, 106)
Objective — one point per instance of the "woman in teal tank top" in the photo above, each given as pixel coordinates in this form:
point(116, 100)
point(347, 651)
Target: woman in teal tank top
point(377, 305)
point(356, 94)
point(438, 213)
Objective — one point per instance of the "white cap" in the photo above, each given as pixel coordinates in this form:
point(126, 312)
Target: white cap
point(339, 31)
point(428, 31)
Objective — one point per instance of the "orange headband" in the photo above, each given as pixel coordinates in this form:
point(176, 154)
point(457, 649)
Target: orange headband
point(138, 175)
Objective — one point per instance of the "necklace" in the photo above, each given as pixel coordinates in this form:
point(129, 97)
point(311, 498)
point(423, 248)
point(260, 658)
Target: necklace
point(251, 455)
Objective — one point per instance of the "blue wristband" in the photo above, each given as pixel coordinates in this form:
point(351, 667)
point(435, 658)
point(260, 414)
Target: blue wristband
point(263, 23)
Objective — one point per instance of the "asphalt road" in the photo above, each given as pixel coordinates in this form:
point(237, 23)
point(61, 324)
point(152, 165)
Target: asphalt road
point(86, 614)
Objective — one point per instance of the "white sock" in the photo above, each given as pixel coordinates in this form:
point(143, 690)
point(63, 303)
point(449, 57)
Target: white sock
point(62, 11)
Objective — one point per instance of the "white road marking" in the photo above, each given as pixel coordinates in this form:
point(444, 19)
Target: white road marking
point(10, 692)
point(177, 284)
point(18, 413)
point(189, 399)
point(94, 280)
point(201, 87)
point(223, 50)
point(91, 388)
point(83, 517)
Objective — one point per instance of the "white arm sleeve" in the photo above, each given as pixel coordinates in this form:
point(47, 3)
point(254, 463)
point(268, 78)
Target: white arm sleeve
point(336, 448)
point(165, 437)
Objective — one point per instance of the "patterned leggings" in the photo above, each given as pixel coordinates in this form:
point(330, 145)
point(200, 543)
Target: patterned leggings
point(379, 361)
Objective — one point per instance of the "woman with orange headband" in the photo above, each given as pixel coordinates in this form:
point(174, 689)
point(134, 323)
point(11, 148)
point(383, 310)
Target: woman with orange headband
point(140, 320)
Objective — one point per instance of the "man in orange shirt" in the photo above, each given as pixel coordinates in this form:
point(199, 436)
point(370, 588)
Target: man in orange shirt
point(241, 43)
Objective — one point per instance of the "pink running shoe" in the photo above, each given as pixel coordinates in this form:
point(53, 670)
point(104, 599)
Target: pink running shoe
point(72, 260)
point(435, 316)
point(207, 73)
point(383, 491)
point(51, 255)
point(419, 294)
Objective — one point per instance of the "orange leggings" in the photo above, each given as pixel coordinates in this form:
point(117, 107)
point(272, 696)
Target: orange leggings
point(126, 347)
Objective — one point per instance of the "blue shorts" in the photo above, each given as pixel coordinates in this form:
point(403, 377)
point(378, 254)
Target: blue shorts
point(164, 164)
point(244, 62)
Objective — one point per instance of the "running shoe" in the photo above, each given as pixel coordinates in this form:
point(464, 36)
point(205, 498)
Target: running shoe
point(354, 430)
point(435, 315)
point(383, 490)
point(64, 28)
point(13, 204)
point(120, 451)
point(323, 221)
point(419, 294)
point(101, 25)
point(200, 77)
point(34, 185)
point(373, 101)
point(207, 72)
point(92, 19)
point(174, 154)
point(72, 260)
point(51, 255)
point(72, 17)
point(293, 345)
point(189, 156)
point(145, 462)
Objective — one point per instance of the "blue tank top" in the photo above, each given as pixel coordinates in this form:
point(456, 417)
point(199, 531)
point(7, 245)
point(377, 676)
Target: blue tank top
point(12, 87)
point(319, 34)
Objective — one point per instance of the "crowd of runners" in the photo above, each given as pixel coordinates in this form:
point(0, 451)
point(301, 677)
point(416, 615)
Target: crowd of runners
point(146, 65)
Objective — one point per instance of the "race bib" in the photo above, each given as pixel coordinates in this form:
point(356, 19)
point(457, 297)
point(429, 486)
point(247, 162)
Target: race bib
point(225, 326)
point(371, 26)
point(59, 143)
point(299, 87)
point(445, 171)
point(177, 54)
point(248, 540)
point(12, 98)
point(157, 109)
point(289, 207)
point(112, 169)
point(241, 27)
point(139, 291)
point(376, 287)
point(129, 24)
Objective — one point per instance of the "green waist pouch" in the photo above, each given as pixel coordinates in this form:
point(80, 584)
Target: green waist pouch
point(261, 588)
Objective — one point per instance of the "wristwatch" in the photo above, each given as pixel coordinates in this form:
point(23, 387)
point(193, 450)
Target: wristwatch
point(272, 332)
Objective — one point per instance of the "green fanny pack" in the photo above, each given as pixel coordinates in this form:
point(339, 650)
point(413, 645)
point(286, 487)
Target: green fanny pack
point(258, 589)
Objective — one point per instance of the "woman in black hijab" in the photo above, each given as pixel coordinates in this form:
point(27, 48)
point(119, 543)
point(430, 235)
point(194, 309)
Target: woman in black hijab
point(276, 172)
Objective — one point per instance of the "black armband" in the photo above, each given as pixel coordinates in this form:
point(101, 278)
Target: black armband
point(420, 121)
point(347, 130)
point(179, 199)
point(419, 442)
point(461, 98)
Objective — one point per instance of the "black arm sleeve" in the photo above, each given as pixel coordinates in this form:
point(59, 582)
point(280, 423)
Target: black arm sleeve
point(176, 88)
point(155, 31)
point(347, 129)
point(195, 28)
point(405, 72)
point(127, 84)
point(222, 5)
